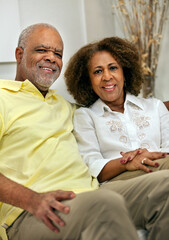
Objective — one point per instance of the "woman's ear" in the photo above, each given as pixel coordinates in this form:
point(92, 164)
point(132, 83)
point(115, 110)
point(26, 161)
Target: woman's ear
point(19, 54)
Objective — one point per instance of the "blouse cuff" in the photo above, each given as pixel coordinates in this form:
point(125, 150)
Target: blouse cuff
point(97, 166)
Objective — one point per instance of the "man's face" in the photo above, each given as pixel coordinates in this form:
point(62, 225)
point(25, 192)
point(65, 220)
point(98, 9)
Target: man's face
point(41, 61)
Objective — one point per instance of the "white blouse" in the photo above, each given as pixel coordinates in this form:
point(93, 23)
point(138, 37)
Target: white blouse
point(102, 133)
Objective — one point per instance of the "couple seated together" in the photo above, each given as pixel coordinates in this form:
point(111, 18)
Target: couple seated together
point(94, 170)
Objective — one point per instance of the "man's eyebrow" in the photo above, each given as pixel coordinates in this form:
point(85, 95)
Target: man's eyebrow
point(48, 47)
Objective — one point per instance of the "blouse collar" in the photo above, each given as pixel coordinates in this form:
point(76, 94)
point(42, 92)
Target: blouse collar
point(100, 108)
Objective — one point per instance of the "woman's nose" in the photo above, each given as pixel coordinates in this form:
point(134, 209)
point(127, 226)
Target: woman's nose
point(107, 75)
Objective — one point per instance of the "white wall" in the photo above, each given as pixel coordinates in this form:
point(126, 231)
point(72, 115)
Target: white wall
point(9, 29)
point(99, 19)
point(66, 15)
point(162, 83)
point(79, 22)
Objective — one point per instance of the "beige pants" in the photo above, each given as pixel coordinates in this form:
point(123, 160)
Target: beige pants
point(96, 215)
point(102, 214)
point(147, 198)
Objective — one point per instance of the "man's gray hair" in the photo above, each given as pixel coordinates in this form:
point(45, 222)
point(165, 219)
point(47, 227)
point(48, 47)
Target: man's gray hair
point(27, 31)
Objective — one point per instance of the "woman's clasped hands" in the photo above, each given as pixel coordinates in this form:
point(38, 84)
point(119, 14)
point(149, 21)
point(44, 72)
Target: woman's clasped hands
point(141, 159)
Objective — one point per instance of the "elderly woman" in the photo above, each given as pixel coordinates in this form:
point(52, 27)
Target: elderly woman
point(106, 77)
point(120, 135)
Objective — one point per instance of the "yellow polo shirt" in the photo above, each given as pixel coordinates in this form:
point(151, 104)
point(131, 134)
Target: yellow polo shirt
point(37, 147)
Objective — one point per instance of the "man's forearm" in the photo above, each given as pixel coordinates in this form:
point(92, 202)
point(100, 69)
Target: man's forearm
point(15, 194)
point(41, 205)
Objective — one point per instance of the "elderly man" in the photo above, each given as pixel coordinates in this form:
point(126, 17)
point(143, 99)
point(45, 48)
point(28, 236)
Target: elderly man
point(39, 156)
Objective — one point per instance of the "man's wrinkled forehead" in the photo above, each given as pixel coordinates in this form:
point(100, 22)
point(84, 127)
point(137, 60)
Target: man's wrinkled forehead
point(46, 37)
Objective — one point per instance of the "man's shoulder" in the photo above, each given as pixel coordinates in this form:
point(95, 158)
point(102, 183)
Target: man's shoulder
point(10, 85)
point(62, 99)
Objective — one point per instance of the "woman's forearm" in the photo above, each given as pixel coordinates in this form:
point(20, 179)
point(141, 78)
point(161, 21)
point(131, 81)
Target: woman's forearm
point(111, 169)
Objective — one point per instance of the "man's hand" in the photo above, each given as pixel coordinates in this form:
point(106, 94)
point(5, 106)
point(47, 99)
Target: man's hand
point(43, 206)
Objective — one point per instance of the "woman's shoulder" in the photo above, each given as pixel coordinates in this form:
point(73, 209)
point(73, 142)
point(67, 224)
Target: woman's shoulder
point(145, 101)
point(152, 104)
point(82, 112)
point(151, 100)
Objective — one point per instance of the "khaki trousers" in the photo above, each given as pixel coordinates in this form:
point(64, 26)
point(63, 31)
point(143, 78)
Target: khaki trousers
point(147, 198)
point(95, 215)
point(102, 214)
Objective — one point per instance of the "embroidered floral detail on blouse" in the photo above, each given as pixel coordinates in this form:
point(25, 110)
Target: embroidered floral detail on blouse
point(123, 139)
point(145, 145)
point(140, 120)
point(115, 126)
point(141, 136)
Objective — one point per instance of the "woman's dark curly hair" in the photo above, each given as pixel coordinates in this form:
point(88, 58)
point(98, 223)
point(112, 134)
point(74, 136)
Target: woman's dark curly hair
point(77, 73)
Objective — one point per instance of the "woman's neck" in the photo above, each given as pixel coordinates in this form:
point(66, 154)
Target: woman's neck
point(117, 108)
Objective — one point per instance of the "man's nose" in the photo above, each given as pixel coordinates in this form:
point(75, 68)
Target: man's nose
point(50, 57)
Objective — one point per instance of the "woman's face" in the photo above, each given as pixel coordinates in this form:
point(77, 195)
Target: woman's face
point(107, 78)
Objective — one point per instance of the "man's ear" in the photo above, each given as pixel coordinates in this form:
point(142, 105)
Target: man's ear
point(19, 54)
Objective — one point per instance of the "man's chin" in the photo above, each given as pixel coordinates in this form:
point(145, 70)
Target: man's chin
point(44, 86)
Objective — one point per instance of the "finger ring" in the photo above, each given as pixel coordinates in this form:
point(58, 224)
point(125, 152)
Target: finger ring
point(142, 162)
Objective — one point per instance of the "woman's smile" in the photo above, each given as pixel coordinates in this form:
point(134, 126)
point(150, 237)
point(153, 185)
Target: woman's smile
point(107, 78)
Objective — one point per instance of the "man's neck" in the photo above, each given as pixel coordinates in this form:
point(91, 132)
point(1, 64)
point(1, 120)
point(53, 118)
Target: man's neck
point(43, 92)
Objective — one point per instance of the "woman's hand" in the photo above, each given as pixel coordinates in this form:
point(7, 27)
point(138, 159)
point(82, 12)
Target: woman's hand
point(130, 161)
point(143, 159)
point(129, 156)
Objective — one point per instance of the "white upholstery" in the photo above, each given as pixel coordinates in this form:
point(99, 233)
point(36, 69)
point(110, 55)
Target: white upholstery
point(142, 234)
